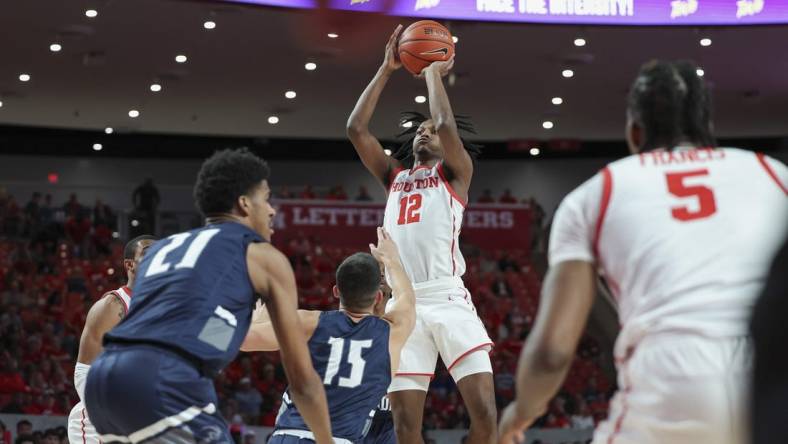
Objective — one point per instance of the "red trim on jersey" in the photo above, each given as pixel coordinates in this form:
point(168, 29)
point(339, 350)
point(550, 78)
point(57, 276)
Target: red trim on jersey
point(392, 176)
point(607, 190)
point(420, 167)
point(127, 290)
point(453, 193)
point(770, 171)
point(627, 389)
point(477, 348)
point(453, 221)
point(84, 441)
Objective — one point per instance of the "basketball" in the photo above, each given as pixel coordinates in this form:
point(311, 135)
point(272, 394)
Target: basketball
point(424, 42)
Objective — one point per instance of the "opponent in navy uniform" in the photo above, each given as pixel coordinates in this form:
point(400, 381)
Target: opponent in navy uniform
point(354, 351)
point(193, 302)
point(381, 430)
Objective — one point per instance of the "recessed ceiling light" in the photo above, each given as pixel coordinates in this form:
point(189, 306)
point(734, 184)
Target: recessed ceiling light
point(97, 147)
point(547, 124)
point(209, 24)
point(387, 151)
point(1, 103)
point(557, 100)
point(407, 124)
point(700, 72)
point(134, 114)
point(55, 47)
point(534, 151)
point(311, 66)
point(420, 99)
point(108, 130)
point(180, 58)
point(91, 13)
point(567, 73)
point(705, 42)
point(580, 42)
point(273, 120)
point(155, 87)
point(290, 94)
point(333, 35)
point(24, 77)
point(455, 39)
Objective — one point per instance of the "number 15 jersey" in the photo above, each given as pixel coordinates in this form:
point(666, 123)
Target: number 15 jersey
point(684, 238)
point(424, 217)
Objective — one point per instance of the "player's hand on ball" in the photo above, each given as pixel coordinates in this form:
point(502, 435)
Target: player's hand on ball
point(386, 251)
point(391, 59)
point(443, 68)
point(511, 429)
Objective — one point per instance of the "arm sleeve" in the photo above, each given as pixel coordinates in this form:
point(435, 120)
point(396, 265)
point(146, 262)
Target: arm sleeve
point(574, 224)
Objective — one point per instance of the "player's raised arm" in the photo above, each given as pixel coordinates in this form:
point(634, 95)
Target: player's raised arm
point(261, 335)
point(272, 276)
point(402, 314)
point(456, 158)
point(367, 145)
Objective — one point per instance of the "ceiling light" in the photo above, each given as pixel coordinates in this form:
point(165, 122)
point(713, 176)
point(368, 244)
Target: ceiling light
point(1, 103)
point(290, 94)
point(455, 39)
point(580, 42)
point(108, 130)
point(97, 147)
point(209, 25)
point(134, 114)
point(24, 77)
point(547, 124)
point(534, 151)
point(55, 47)
point(557, 100)
point(332, 35)
point(420, 99)
point(180, 58)
point(155, 87)
point(273, 120)
point(567, 73)
point(700, 72)
point(91, 13)
point(311, 66)
point(407, 124)
point(387, 151)
point(135, 223)
point(705, 42)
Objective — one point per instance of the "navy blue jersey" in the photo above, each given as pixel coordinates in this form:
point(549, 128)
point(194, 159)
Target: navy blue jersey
point(381, 430)
point(193, 293)
point(353, 360)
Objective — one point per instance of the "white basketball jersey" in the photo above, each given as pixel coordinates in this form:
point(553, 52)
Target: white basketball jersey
point(683, 238)
point(424, 216)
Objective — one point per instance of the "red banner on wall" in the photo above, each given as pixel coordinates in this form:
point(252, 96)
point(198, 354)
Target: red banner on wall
point(352, 224)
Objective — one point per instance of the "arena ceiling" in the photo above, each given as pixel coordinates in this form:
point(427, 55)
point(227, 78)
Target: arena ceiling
point(236, 74)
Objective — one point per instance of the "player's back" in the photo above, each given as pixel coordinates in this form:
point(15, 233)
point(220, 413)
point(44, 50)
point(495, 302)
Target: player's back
point(353, 360)
point(685, 238)
point(193, 294)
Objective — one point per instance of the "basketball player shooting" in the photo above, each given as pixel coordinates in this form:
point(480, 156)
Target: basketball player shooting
point(427, 182)
point(102, 317)
point(684, 234)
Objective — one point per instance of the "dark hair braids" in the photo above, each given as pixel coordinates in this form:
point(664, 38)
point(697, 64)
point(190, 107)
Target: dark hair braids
point(671, 103)
point(405, 151)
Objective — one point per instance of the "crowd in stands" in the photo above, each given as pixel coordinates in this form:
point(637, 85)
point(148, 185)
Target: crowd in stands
point(56, 262)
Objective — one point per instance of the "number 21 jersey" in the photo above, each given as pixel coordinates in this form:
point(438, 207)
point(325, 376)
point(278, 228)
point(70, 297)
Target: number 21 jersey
point(684, 238)
point(424, 217)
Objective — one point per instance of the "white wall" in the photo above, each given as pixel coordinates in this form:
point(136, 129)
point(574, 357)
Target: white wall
point(113, 179)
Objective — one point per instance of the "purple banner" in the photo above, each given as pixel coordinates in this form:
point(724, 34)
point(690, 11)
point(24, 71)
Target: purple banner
point(595, 12)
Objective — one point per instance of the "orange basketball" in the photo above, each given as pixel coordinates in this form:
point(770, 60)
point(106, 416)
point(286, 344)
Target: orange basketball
point(424, 42)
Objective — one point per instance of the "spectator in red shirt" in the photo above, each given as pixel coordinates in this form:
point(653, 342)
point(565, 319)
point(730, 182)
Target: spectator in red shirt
point(486, 197)
point(307, 193)
point(507, 197)
point(363, 194)
point(72, 206)
point(11, 380)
